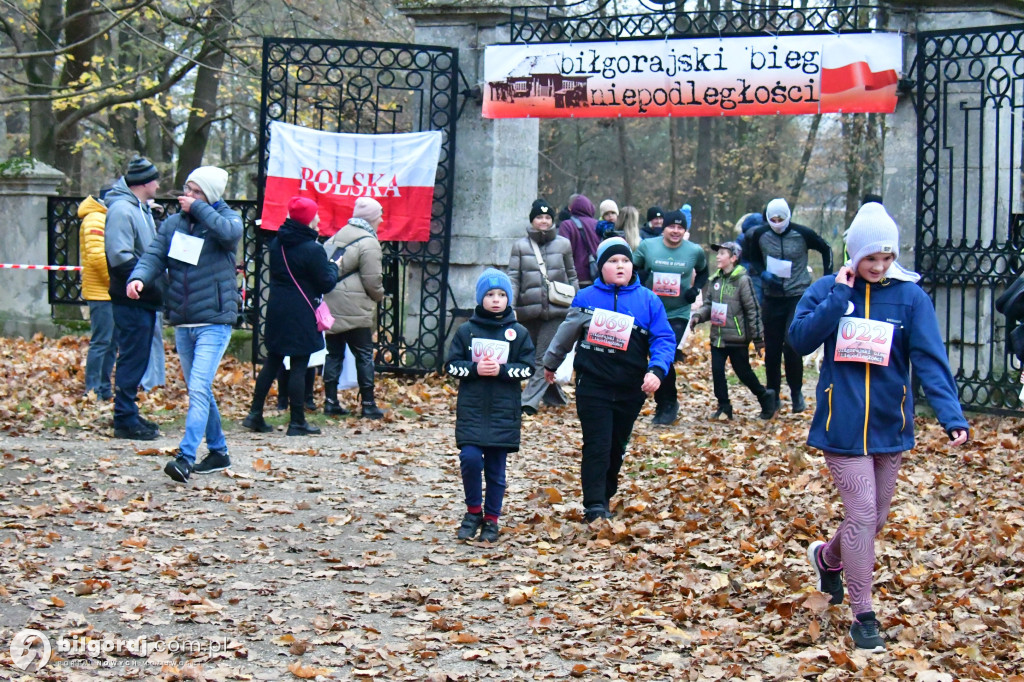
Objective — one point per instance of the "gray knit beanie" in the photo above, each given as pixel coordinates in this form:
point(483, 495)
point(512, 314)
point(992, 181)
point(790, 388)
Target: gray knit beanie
point(872, 231)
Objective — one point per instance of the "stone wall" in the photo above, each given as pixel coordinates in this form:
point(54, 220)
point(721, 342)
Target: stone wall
point(24, 306)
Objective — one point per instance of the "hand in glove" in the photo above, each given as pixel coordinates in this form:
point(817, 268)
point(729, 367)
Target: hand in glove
point(771, 280)
point(690, 295)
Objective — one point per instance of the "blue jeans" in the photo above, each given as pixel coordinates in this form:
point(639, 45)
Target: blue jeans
point(155, 372)
point(200, 350)
point(99, 363)
point(134, 327)
point(491, 463)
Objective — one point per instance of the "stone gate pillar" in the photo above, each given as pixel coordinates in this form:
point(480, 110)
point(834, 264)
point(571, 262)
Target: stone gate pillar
point(495, 160)
point(24, 305)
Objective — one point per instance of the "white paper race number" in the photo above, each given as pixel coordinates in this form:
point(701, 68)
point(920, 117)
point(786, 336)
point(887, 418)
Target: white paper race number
point(719, 313)
point(860, 340)
point(490, 349)
point(666, 283)
point(610, 329)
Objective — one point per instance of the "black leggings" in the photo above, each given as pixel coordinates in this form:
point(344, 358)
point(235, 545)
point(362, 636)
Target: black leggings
point(739, 357)
point(777, 315)
point(296, 385)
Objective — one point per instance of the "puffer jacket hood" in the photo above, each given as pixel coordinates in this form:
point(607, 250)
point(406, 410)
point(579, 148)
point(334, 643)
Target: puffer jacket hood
point(120, 192)
point(90, 205)
point(542, 236)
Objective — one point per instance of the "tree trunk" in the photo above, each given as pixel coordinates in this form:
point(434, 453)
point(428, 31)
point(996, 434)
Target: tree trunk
point(673, 173)
point(67, 155)
point(204, 97)
point(853, 130)
point(40, 75)
point(627, 173)
point(801, 170)
point(702, 189)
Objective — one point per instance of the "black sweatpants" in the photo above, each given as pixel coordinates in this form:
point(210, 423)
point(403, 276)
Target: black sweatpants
point(738, 356)
point(607, 422)
point(777, 315)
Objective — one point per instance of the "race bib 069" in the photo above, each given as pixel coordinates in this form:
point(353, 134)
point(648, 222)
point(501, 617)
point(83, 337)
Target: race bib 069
point(610, 329)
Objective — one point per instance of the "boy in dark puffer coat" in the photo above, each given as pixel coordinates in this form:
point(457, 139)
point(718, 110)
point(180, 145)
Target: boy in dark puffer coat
point(490, 354)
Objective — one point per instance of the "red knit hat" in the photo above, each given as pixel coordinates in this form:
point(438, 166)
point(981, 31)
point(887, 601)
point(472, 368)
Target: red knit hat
point(302, 209)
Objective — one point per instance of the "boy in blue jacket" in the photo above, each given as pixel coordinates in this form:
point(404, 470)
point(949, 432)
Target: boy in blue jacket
point(490, 354)
point(874, 322)
point(625, 346)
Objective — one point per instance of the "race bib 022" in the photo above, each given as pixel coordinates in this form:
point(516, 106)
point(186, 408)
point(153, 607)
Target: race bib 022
point(861, 340)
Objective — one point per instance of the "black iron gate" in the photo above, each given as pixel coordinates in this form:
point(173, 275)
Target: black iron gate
point(970, 104)
point(358, 87)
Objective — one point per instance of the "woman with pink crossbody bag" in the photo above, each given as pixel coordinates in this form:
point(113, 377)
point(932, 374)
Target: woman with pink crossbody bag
point(300, 274)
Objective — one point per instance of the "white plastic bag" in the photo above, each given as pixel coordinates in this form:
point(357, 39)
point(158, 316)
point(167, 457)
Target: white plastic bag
point(348, 371)
point(563, 375)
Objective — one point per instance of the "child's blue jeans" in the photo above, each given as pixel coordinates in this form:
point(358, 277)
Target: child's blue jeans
point(490, 462)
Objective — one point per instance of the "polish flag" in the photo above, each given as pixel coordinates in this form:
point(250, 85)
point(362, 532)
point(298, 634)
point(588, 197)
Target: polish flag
point(335, 169)
point(863, 64)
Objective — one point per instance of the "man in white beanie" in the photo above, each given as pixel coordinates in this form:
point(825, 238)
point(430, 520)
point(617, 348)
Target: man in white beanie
point(779, 249)
point(196, 248)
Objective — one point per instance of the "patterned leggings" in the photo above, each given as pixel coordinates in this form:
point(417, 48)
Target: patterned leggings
point(866, 486)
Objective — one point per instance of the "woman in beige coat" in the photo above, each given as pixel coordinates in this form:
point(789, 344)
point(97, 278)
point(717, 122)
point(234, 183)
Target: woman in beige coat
point(534, 311)
point(353, 302)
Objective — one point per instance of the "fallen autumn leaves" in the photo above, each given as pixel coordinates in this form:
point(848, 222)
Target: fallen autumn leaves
point(333, 556)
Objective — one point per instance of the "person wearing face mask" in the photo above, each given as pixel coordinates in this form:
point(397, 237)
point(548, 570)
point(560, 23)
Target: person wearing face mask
point(779, 247)
point(875, 322)
point(675, 269)
point(538, 259)
point(624, 347)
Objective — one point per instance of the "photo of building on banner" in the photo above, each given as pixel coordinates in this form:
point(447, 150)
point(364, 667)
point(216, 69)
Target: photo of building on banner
point(742, 76)
point(335, 169)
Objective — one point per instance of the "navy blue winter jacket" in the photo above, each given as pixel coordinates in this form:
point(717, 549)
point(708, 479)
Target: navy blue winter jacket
point(207, 292)
point(868, 409)
point(651, 348)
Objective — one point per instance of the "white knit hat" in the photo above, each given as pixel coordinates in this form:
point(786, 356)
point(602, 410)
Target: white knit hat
point(874, 231)
point(211, 180)
point(607, 205)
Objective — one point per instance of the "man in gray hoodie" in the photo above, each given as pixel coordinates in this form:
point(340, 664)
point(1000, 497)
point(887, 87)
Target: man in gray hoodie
point(129, 230)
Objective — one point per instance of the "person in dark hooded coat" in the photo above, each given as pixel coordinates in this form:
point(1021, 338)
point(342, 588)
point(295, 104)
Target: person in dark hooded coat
point(581, 231)
point(296, 260)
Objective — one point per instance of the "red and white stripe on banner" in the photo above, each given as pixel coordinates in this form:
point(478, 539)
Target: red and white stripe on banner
point(335, 169)
point(21, 266)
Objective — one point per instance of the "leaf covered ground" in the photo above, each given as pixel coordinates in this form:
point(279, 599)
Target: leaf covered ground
point(333, 557)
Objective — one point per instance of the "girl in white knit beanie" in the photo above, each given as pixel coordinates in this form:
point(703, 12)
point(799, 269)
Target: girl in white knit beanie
point(874, 321)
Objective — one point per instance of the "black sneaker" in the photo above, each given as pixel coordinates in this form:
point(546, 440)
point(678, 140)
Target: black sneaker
point(724, 410)
point(217, 460)
point(150, 424)
point(865, 633)
point(310, 405)
point(529, 410)
point(665, 415)
point(595, 512)
point(333, 409)
point(768, 404)
point(371, 411)
point(255, 422)
point(798, 403)
point(179, 469)
point(471, 523)
point(830, 581)
point(306, 429)
point(137, 432)
point(489, 533)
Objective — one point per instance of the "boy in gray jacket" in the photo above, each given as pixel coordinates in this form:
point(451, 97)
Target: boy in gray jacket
point(731, 305)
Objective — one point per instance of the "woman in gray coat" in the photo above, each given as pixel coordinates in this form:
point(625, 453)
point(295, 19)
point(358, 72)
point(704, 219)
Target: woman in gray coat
point(533, 308)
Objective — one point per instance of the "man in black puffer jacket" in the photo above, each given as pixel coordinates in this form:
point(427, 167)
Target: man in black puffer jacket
point(196, 248)
point(491, 355)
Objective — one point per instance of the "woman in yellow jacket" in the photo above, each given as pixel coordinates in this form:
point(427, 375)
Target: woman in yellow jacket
point(99, 363)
